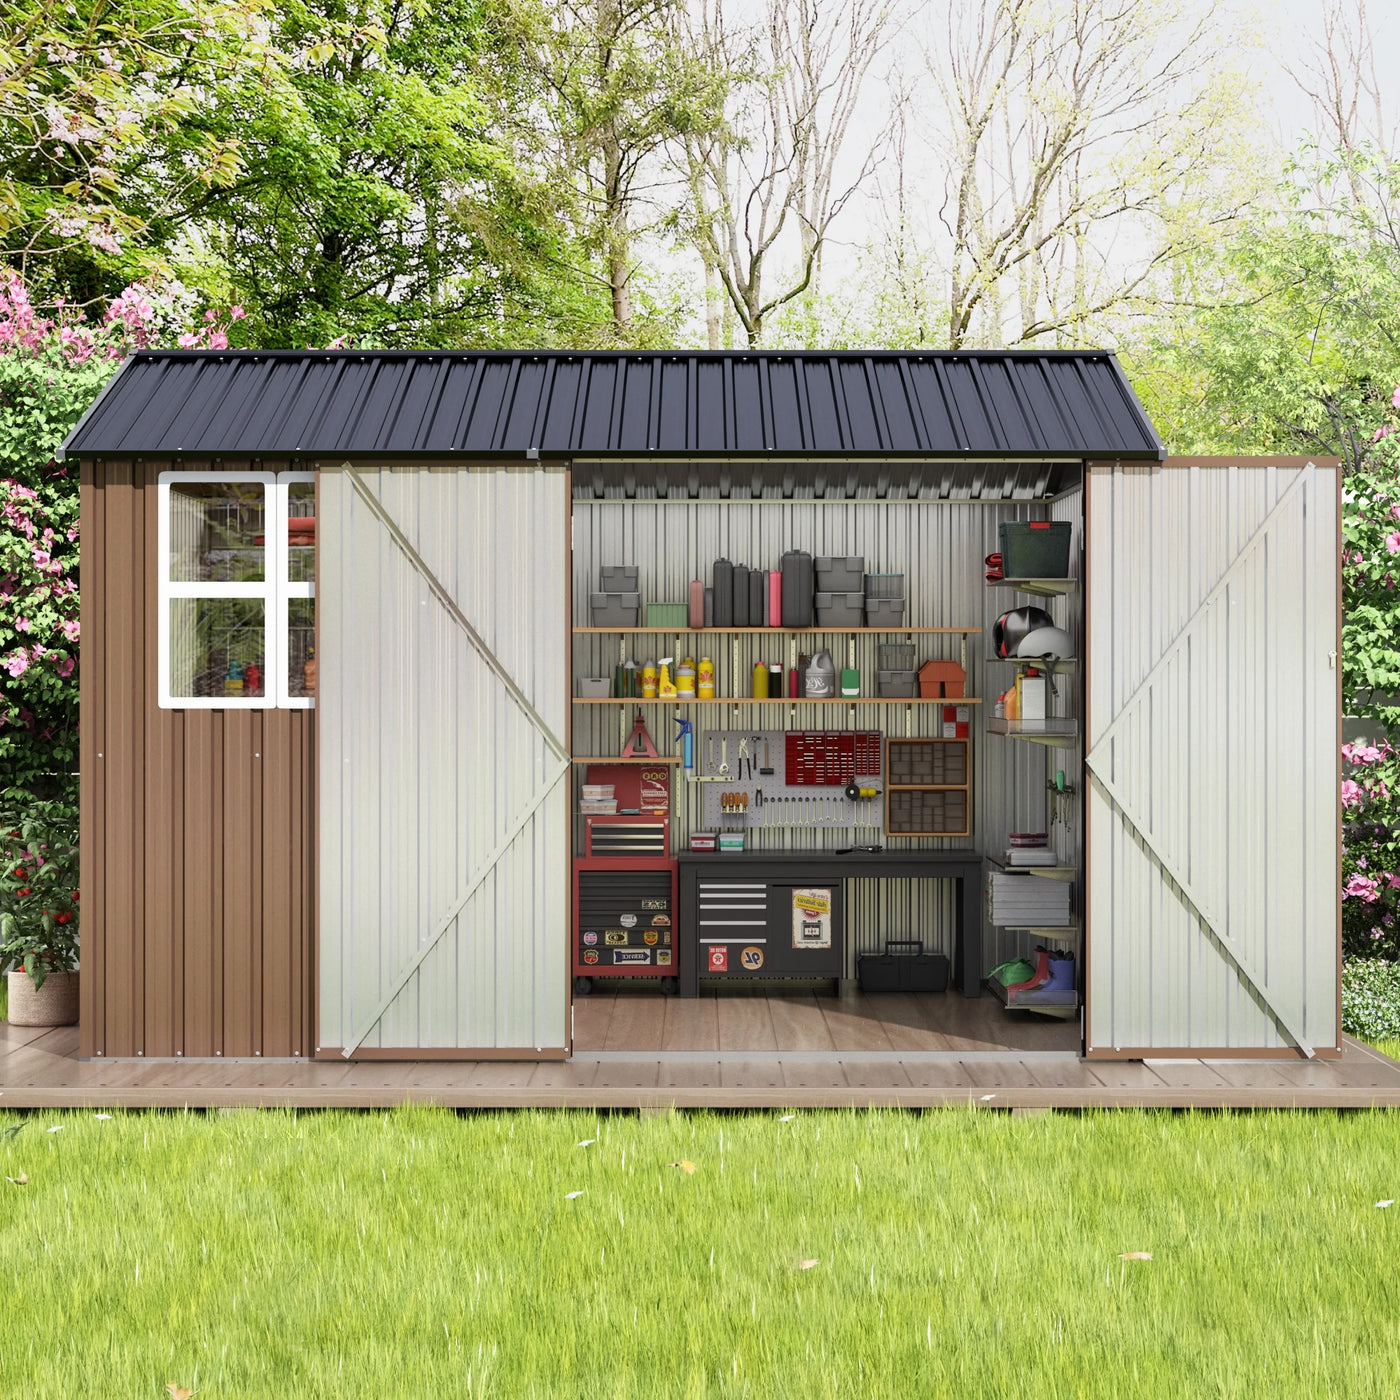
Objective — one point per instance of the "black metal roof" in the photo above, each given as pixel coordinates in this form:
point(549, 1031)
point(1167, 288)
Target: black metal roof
point(992, 404)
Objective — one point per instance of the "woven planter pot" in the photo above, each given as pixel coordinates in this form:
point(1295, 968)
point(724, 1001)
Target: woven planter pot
point(53, 1004)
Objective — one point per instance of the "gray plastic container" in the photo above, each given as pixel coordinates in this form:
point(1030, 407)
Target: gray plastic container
point(616, 609)
point(618, 578)
point(884, 612)
point(897, 683)
point(839, 573)
point(594, 687)
point(884, 585)
point(897, 656)
point(840, 609)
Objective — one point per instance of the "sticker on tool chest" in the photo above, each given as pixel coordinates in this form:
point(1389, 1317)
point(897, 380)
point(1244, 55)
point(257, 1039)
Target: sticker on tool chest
point(590, 938)
point(663, 957)
point(811, 918)
point(632, 955)
point(627, 920)
point(590, 956)
point(615, 937)
point(650, 937)
point(719, 959)
point(751, 959)
point(655, 904)
point(661, 921)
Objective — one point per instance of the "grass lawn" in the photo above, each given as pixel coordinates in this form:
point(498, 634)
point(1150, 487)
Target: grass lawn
point(4, 997)
point(837, 1254)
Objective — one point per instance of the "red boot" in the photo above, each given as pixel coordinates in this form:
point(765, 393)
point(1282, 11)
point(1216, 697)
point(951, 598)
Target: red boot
point(1041, 974)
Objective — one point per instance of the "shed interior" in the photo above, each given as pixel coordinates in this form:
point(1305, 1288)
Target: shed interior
point(946, 774)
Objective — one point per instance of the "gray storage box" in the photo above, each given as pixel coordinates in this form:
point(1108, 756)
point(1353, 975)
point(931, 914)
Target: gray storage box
point(840, 609)
point(902, 684)
point(884, 612)
point(884, 585)
point(1034, 548)
point(616, 609)
point(839, 573)
point(594, 687)
point(897, 656)
point(618, 578)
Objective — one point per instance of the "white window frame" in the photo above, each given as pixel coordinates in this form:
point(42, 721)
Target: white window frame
point(169, 589)
point(286, 591)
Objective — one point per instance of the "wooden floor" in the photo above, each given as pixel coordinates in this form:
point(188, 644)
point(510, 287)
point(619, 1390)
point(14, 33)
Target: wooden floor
point(639, 1050)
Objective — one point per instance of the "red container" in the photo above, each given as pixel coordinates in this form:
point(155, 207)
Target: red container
point(775, 598)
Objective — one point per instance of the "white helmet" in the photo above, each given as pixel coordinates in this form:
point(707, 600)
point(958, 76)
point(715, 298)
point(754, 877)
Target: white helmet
point(1047, 641)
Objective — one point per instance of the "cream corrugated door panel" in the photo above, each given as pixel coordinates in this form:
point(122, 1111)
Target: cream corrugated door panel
point(1212, 809)
point(444, 810)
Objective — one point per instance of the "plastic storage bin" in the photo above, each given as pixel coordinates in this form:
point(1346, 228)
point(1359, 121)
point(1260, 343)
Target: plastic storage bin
point(839, 573)
point(668, 614)
point(884, 585)
point(897, 656)
point(840, 609)
point(615, 609)
point(798, 575)
point(1034, 548)
point(897, 683)
point(594, 688)
point(883, 612)
point(618, 578)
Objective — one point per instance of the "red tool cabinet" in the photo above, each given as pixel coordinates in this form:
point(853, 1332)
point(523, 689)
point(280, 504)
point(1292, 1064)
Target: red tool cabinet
point(625, 918)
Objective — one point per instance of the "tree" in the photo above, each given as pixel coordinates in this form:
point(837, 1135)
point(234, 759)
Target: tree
point(767, 178)
point(99, 129)
point(1088, 153)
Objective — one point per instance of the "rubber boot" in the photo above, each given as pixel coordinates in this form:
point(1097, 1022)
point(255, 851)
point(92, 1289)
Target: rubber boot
point(1040, 976)
point(1061, 974)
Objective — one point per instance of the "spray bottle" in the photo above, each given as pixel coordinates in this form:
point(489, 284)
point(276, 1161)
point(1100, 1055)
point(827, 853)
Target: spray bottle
point(686, 739)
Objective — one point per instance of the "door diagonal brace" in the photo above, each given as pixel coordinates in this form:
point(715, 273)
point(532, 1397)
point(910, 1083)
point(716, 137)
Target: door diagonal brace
point(427, 944)
point(1232, 949)
point(457, 615)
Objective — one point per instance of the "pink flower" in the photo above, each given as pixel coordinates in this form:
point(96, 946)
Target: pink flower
point(17, 663)
point(237, 313)
point(1395, 397)
point(1382, 432)
point(71, 628)
point(1392, 542)
point(1351, 794)
point(21, 624)
point(1393, 882)
point(1359, 887)
point(65, 667)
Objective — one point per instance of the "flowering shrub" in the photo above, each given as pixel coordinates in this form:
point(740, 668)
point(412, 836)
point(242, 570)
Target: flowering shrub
point(52, 365)
point(39, 892)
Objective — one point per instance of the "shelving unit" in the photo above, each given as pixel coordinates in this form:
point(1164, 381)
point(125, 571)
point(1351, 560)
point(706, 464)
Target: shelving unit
point(1056, 733)
point(785, 631)
point(1046, 872)
point(1037, 587)
point(780, 700)
point(1061, 665)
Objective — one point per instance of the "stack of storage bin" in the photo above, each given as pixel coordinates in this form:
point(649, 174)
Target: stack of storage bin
point(884, 600)
point(619, 604)
point(897, 676)
point(840, 602)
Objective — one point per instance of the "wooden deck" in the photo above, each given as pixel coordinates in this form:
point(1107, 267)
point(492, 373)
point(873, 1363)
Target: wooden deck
point(634, 1049)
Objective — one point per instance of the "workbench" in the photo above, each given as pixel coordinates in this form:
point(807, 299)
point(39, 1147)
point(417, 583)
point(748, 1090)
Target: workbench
point(751, 909)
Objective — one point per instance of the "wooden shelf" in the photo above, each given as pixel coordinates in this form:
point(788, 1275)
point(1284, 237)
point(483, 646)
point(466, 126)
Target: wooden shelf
point(784, 700)
point(1060, 665)
point(788, 631)
point(1060, 932)
point(604, 758)
point(927, 787)
point(1038, 587)
point(1046, 872)
point(1056, 733)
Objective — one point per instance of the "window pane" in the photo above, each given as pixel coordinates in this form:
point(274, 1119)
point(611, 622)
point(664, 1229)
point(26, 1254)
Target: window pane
point(301, 532)
point(301, 647)
point(217, 648)
point(217, 532)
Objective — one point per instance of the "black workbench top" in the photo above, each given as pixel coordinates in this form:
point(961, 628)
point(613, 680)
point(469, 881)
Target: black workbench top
point(874, 861)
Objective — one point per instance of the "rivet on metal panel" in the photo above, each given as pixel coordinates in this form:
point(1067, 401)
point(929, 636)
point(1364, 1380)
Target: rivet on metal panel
point(257, 755)
point(179, 1054)
point(218, 1052)
point(99, 755)
point(257, 1052)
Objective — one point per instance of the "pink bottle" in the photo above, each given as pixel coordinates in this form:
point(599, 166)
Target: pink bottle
point(775, 598)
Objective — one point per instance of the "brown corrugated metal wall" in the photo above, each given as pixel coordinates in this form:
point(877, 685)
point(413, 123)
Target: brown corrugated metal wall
point(197, 825)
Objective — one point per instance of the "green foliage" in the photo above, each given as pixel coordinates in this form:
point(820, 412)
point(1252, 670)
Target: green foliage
point(39, 891)
point(1371, 998)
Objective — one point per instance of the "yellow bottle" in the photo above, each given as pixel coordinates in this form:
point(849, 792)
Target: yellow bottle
point(760, 681)
point(706, 678)
point(649, 681)
point(665, 686)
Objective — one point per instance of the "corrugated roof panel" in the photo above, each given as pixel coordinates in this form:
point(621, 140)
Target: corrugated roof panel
point(746, 403)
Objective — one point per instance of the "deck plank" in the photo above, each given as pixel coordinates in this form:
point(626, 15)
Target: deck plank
point(854, 1023)
point(751, 1074)
point(592, 1013)
point(692, 1023)
point(638, 1023)
point(746, 1023)
point(799, 1024)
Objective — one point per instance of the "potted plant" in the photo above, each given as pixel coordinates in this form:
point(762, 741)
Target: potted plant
point(39, 910)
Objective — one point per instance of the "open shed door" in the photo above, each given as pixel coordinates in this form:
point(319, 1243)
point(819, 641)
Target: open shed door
point(1213, 821)
point(443, 702)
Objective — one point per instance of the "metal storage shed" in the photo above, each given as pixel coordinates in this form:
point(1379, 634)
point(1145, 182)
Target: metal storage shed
point(420, 826)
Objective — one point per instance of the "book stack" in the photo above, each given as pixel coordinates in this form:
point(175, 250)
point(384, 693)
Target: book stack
point(1013, 901)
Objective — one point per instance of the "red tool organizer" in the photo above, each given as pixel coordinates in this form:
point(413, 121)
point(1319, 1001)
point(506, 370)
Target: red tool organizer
point(827, 758)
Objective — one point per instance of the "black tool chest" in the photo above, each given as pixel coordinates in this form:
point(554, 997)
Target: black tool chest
point(625, 918)
point(751, 928)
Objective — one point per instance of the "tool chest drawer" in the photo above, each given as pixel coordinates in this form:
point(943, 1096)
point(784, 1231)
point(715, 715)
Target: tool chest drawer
point(624, 918)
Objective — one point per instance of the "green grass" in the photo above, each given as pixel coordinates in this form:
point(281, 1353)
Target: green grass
point(1388, 1047)
point(957, 1253)
point(4, 998)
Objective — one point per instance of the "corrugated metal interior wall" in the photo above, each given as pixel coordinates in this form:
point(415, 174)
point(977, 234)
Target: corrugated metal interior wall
point(1227, 752)
point(431, 768)
point(939, 545)
point(197, 839)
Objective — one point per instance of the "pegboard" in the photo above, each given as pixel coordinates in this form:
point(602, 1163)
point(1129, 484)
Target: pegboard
point(774, 800)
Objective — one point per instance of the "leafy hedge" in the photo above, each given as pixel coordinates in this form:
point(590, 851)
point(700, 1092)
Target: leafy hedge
point(1371, 999)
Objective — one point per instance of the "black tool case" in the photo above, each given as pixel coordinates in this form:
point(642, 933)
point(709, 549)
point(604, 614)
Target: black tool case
point(902, 967)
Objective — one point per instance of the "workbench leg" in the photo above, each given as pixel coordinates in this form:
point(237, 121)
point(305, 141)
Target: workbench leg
point(688, 933)
point(970, 933)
